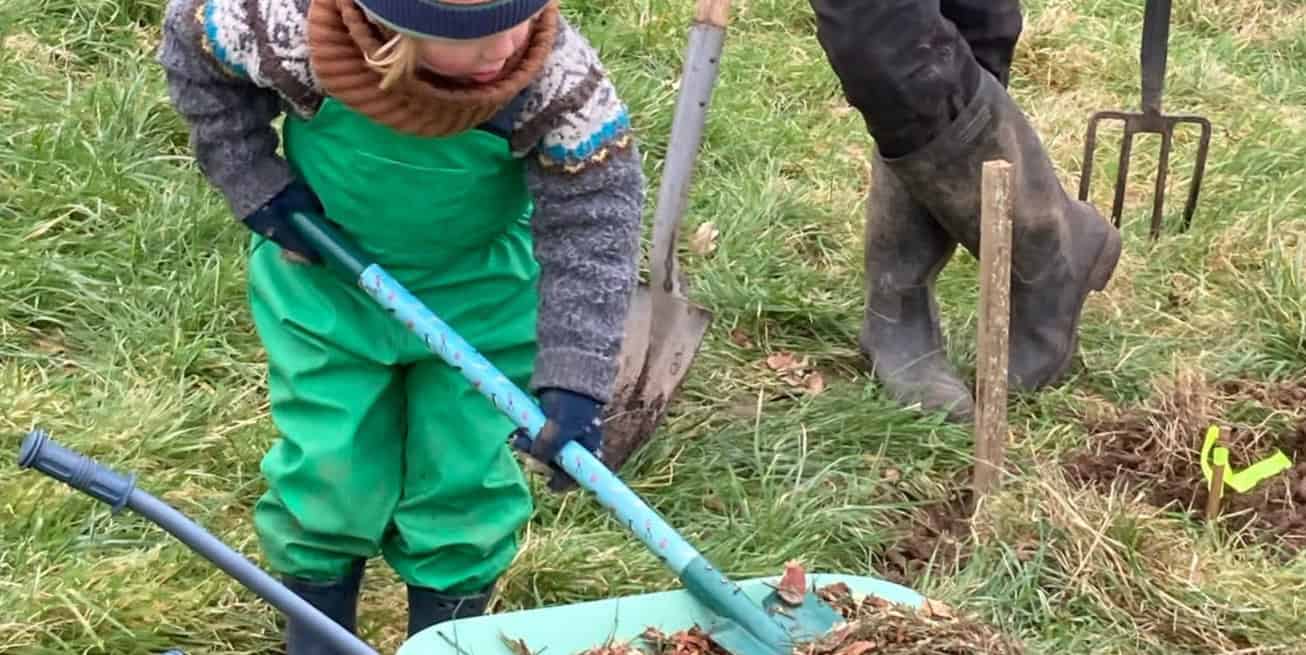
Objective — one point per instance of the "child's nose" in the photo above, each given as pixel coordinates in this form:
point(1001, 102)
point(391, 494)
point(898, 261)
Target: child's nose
point(500, 48)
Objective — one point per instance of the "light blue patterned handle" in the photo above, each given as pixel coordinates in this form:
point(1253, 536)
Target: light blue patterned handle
point(700, 577)
point(586, 469)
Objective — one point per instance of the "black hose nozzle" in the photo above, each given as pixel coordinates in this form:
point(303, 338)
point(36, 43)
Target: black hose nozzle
point(78, 471)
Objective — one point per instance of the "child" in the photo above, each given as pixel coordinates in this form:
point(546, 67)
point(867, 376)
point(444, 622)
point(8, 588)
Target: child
point(477, 150)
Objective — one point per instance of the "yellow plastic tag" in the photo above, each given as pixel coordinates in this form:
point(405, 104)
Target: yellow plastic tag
point(1246, 479)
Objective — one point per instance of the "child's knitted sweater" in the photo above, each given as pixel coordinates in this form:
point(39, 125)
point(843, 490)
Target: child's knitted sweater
point(234, 65)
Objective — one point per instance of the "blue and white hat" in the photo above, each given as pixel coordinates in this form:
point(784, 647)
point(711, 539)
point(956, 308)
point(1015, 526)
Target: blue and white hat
point(438, 18)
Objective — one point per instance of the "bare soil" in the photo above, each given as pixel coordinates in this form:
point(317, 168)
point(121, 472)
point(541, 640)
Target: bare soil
point(937, 541)
point(1155, 452)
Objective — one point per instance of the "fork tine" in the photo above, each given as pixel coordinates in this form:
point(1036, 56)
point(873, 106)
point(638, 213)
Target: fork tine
point(1162, 172)
point(1198, 170)
point(1090, 147)
point(1122, 176)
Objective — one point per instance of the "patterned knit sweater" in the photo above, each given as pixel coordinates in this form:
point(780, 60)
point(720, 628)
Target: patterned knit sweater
point(233, 66)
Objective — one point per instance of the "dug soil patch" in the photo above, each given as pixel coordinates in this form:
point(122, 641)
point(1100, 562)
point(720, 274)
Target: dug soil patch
point(937, 541)
point(1154, 452)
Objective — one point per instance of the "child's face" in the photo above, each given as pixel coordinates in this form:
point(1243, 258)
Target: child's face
point(479, 60)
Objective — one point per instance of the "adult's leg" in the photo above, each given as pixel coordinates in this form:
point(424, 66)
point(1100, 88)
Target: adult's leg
point(900, 67)
point(906, 57)
point(991, 28)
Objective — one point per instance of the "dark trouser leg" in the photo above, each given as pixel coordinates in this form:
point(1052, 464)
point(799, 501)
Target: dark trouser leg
point(936, 116)
point(902, 66)
point(991, 28)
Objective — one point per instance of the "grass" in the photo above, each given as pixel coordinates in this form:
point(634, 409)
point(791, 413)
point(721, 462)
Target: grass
point(124, 330)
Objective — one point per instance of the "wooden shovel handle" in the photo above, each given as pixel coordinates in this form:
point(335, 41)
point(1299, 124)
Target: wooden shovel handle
point(713, 12)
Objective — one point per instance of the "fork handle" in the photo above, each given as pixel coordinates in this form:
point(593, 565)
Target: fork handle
point(1156, 45)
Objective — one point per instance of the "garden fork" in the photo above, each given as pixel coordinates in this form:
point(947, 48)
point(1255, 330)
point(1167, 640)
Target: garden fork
point(1156, 36)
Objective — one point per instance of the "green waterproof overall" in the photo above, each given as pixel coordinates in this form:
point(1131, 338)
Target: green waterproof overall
point(383, 448)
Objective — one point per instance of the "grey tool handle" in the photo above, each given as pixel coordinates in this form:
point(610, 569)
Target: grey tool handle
point(702, 60)
point(76, 470)
point(84, 474)
point(1155, 50)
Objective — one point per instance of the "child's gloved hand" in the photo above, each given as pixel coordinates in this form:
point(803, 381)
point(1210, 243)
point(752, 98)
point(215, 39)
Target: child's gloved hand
point(570, 417)
point(272, 220)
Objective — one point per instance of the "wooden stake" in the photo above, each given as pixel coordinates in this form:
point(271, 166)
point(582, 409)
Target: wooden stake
point(1215, 493)
point(994, 323)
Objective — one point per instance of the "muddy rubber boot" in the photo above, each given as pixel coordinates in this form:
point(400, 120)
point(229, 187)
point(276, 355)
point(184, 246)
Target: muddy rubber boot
point(905, 250)
point(1061, 248)
point(338, 599)
point(427, 607)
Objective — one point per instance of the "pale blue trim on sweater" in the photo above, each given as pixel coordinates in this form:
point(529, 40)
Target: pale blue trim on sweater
point(588, 147)
point(219, 52)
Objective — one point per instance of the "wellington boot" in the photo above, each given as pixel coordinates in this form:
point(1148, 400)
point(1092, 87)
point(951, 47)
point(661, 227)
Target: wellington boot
point(428, 607)
point(337, 599)
point(1061, 248)
point(905, 250)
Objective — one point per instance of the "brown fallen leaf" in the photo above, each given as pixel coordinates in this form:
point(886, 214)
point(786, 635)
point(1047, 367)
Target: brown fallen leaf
point(740, 338)
point(891, 475)
point(857, 648)
point(935, 609)
point(784, 361)
point(792, 587)
point(815, 383)
point(703, 242)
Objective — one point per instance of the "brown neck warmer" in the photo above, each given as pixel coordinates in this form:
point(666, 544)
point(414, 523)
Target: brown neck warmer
point(424, 104)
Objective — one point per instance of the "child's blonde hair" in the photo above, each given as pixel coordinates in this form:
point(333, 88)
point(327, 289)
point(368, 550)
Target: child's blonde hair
point(395, 61)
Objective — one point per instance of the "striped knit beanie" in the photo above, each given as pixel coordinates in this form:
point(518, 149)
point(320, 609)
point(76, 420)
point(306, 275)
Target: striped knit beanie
point(450, 20)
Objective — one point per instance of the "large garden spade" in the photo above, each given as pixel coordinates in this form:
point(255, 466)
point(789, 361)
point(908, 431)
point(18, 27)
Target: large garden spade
point(664, 329)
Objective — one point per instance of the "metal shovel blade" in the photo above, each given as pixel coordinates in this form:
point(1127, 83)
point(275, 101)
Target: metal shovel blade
point(664, 329)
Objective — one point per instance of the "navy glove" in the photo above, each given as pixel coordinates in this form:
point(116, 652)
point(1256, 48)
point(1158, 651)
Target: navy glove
point(272, 220)
point(570, 417)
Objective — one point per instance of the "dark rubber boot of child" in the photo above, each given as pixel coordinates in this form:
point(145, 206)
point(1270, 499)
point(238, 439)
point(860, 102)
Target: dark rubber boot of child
point(1062, 248)
point(338, 599)
point(428, 607)
point(905, 250)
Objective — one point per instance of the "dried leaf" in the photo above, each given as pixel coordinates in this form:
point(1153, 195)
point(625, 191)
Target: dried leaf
point(741, 338)
point(704, 240)
point(793, 584)
point(857, 648)
point(935, 609)
point(891, 475)
point(783, 361)
point(815, 383)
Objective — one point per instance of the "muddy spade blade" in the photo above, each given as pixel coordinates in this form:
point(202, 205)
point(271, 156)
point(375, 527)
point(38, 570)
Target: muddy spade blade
point(665, 329)
point(1156, 35)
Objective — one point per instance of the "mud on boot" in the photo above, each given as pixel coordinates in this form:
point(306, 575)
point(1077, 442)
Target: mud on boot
point(1061, 248)
point(904, 251)
point(337, 599)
